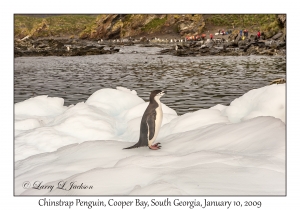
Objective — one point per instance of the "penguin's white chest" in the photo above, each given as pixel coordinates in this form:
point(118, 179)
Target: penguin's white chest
point(158, 121)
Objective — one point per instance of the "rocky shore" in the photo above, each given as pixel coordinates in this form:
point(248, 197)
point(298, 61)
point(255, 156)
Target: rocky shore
point(78, 35)
point(60, 47)
point(232, 45)
point(235, 45)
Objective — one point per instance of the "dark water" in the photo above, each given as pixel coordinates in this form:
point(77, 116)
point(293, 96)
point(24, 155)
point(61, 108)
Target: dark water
point(192, 83)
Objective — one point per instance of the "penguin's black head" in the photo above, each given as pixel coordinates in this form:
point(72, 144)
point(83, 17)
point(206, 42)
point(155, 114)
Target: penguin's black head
point(156, 94)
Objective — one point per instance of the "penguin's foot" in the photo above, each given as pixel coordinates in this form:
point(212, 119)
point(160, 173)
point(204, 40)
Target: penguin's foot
point(155, 146)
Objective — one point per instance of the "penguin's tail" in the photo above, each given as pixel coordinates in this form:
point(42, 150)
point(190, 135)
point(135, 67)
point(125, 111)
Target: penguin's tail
point(134, 146)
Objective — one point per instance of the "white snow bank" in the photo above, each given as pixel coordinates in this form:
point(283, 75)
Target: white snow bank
point(265, 101)
point(113, 101)
point(192, 121)
point(224, 159)
point(27, 124)
point(43, 124)
point(104, 116)
point(225, 150)
point(39, 106)
point(77, 124)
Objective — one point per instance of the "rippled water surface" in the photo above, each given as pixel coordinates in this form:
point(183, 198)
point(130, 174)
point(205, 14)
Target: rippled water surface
point(192, 83)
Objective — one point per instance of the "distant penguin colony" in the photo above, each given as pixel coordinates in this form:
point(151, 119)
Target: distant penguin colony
point(151, 122)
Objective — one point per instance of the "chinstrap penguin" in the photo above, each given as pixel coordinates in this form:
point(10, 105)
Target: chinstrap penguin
point(151, 122)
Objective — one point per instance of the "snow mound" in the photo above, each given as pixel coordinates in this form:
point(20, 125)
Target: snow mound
point(39, 106)
point(193, 121)
point(225, 150)
point(265, 101)
point(215, 160)
point(113, 101)
point(127, 90)
point(27, 124)
point(40, 132)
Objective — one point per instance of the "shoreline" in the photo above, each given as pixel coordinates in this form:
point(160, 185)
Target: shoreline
point(232, 46)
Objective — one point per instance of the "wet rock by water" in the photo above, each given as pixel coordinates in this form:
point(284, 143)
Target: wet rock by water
point(237, 46)
point(59, 47)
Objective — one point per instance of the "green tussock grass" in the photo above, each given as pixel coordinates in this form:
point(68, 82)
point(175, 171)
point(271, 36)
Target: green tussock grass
point(154, 24)
point(250, 21)
point(57, 25)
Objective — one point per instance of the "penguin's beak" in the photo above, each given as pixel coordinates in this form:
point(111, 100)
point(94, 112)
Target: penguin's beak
point(165, 92)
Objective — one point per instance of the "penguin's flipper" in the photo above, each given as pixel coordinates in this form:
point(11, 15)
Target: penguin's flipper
point(151, 125)
point(151, 130)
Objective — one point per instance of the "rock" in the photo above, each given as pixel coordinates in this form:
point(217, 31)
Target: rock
point(130, 43)
point(60, 47)
point(242, 44)
point(231, 44)
point(278, 81)
point(26, 37)
point(237, 39)
point(179, 47)
point(253, 37)
point(100, 47)
point(193, 45)
point(281, 44)
point(214, 51)
point(42, 45)
point(224, 47)
point(260, 44)
point(262, 36)
point(209, 43)
point(271, 44)
point(181, 53)
point(246, 47)
point(165, 51)
point(283, 38)
point(277, 36)
point(204, 50)
point(233, 36)
point(267, 52)
point(185, 46)
point(282, 20)
point(144, 40)
point(132, 25)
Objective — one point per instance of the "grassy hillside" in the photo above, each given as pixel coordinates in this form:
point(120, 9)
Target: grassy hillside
point(98, 26)
point(57, 25)
point(267, 23)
